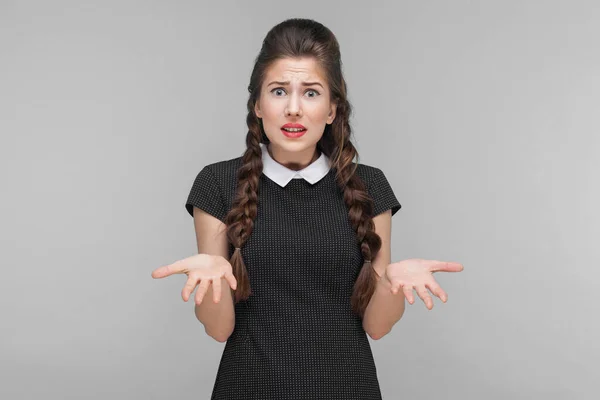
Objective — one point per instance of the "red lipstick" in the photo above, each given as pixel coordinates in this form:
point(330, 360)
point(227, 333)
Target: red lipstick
point(293, 130)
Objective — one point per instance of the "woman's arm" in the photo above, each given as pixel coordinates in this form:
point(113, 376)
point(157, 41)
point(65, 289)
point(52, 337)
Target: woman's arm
point(218, 318)
point(384, 308)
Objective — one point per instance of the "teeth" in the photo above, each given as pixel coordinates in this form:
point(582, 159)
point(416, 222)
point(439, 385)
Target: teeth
point(293, 129)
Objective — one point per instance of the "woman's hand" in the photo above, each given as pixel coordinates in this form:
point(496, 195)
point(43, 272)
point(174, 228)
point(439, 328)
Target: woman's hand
point(418, 274)
point(200, 268)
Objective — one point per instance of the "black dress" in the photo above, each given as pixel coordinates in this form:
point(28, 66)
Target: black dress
point(296, 336)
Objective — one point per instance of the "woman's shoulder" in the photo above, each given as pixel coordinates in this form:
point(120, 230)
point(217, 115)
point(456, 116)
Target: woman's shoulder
point(224, 170)
point(214, 187)
point(367, 172)
point(379, 188)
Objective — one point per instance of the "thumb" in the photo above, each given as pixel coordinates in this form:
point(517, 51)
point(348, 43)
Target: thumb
point(177, 267)
point(444, 266)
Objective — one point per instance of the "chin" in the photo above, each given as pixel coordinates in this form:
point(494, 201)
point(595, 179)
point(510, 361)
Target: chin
point(293, 145)
point(303, 142)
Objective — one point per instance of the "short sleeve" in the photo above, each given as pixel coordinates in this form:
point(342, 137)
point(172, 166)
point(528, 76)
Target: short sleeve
point(206, 195)
point(383, 196)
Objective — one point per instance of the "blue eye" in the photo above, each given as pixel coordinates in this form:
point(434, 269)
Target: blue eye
point(279, 89)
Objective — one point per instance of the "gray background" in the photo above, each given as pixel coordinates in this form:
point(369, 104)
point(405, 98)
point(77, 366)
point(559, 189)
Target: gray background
point(483, 116)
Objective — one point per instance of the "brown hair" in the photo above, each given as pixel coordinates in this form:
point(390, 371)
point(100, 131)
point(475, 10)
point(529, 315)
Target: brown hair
point(304, 38)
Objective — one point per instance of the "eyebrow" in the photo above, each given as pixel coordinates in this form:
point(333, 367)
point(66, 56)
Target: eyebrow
point(288, 82)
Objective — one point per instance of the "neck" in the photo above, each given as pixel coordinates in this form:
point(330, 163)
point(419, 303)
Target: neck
point(294, 161)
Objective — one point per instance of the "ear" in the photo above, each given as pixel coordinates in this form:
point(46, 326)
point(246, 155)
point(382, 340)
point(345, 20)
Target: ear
point(332, 113)
point(257, 109)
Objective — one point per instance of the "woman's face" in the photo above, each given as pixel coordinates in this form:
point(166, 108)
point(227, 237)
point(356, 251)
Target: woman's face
point(294, 91)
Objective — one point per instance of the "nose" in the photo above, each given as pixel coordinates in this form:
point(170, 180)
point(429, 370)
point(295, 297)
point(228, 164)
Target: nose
point(293, 107)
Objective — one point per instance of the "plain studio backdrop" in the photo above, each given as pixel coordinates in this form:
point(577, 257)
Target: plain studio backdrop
point(483, 116)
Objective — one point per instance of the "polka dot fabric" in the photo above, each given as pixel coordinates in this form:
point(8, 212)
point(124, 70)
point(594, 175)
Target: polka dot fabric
point(296, 337)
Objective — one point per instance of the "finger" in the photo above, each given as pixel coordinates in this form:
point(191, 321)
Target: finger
point(188, 288)
point(231, 280)
point(178, 267)
point(394, 286)
point(216, 283)
point(162, 272)
point(201, 291)
point(408, 293)
point(444, 266)
point(424, 295)
point(437, 290)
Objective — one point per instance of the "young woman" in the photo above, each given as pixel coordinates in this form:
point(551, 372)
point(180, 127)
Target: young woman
point(300, 232)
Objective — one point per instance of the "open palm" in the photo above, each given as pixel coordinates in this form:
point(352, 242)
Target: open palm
point(417, 274)
point(202, 271)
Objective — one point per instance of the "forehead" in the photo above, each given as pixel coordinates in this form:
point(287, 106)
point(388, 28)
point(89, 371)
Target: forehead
point(295, 69)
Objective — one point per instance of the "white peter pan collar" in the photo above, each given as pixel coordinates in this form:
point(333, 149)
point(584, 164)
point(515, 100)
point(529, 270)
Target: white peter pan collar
point(282, 175)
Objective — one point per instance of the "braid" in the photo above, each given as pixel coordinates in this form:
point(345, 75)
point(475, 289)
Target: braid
point(240, 219)
point(360, 210)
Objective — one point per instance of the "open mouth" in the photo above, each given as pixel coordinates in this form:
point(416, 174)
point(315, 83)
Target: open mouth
point(293, 130)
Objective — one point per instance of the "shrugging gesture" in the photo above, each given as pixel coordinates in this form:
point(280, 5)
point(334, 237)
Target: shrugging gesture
point(202, 269)
point(417, 274)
